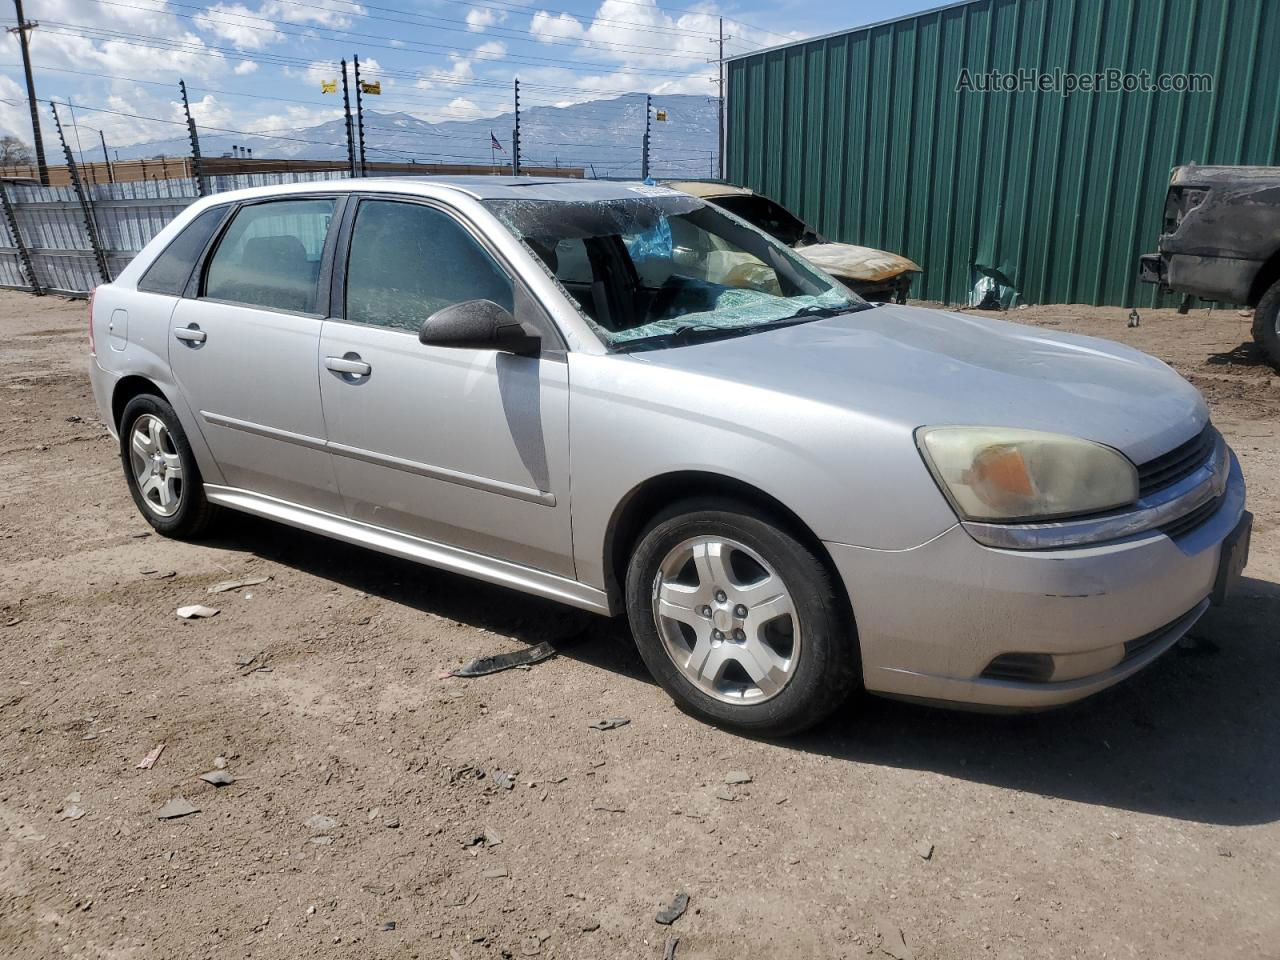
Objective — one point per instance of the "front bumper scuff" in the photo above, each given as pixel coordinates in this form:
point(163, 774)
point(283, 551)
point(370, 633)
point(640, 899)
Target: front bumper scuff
point(931, 619)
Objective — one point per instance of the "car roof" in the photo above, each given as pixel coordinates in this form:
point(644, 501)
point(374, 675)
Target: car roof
point(482, 187)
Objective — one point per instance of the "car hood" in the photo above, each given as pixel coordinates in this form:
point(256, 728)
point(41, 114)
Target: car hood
point(857, 263)
point(916, 367)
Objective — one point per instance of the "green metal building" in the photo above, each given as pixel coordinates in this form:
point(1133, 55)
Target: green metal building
point(883, 135)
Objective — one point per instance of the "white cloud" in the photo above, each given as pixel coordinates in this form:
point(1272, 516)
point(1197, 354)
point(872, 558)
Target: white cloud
point(479, 18)
point(245, 67)
point(545, 27)
point(239, 26)
point(491, 50)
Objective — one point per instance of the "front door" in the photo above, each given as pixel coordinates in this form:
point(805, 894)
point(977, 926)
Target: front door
point(244, 352)
point(467, 448)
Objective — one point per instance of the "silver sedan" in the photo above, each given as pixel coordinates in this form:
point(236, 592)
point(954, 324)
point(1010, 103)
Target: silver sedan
point(622, 398)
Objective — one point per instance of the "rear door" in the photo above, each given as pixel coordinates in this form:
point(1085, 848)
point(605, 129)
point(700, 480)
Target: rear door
point(244, 349)
point(463, 447)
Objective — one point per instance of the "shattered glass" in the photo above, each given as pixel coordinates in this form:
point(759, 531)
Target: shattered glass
point(665, 264)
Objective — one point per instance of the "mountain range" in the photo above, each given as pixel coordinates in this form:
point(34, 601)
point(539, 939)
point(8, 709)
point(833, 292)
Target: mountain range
point(604, 137)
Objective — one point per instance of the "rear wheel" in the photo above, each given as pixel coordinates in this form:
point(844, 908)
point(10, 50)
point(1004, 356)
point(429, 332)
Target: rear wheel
point(1266, 324)
point(739, 620)
point(161, 470)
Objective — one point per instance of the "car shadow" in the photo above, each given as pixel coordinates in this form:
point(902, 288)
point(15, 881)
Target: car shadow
point(1247, 354)
point(1196, 736)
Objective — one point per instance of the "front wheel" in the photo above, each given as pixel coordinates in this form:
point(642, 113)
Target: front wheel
point(161, 470)
point(739, 620)
point(1266, 324)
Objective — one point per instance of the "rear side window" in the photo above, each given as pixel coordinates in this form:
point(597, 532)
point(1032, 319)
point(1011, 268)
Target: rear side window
point(172, 269)
point(270, 255)
point(408, 260)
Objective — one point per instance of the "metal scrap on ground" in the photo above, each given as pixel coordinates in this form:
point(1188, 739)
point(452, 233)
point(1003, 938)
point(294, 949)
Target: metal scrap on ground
point(177, 807)
point(482, 666)
point(610, 724)
point(674, 910)
point(226, 585)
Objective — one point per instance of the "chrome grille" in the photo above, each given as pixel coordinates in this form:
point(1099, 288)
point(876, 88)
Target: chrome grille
point(1188, 522)
point(1168, 468)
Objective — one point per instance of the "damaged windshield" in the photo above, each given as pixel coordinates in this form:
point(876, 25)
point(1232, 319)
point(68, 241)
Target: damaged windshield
point(667, 268)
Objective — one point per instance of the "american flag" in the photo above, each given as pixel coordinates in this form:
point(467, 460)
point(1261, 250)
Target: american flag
point(493, 142)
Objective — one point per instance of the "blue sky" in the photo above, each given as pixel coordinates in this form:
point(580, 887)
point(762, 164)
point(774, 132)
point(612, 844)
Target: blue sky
point(258, 65)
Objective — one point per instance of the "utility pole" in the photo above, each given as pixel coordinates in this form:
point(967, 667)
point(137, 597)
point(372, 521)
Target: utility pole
point(202, 188)
point(355, 63)
point(346, 116)
point(515, 135)
point(720, 100)
point(644, 156)
point(23, 30)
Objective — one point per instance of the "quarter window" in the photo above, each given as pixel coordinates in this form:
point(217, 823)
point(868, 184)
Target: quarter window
point(172, 269)
point(270, 255)
point(409, 260)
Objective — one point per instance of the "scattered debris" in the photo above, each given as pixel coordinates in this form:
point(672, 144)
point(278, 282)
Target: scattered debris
point(1224, 852)
point(1135, 319)
point(674, 910)
point(724, 793)
point(321, 822)
point(506, 779)
point(226, 585)
point(924, 850)
point(220, 763)
point(591, 926)
point(669, 951)
point(177, 807)
point(72, 812)
point(482, 666)
point(196, 612)
point(219, 778)
point(894, 942)
point(391, 823)
point(495, 873)
point(606, 808)
point(13, 621)
point(738, 776)
point(387, 925)
point(149, 761)
point(613, 723)
point(323, 840)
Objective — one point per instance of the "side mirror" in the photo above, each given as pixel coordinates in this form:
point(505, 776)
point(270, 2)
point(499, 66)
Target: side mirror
point(478, 325)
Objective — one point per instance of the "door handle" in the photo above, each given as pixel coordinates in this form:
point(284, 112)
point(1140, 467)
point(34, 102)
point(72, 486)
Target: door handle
point(351, 364)
point(190, 334)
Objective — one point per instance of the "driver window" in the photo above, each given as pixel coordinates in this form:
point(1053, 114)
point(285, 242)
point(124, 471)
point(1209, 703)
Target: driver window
point(409, 260)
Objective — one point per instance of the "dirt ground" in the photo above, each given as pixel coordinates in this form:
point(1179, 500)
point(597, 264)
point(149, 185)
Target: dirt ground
point(1142, 823)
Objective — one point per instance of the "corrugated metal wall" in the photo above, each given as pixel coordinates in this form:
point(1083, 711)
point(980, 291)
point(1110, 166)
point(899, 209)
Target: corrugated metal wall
point(866, 136)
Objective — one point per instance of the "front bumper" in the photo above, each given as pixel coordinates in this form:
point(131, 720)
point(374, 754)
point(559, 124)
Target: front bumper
point(931, 619)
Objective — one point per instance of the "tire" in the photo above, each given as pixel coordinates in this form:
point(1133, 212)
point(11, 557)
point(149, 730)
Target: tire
point(794, 658)
point(184, 513)
point(1266, 324)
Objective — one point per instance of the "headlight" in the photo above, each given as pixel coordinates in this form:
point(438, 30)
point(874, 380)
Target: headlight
point(1000, 473)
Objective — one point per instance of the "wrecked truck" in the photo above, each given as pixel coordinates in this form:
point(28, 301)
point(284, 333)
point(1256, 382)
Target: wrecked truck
point(875, 275)
point(1221, 241)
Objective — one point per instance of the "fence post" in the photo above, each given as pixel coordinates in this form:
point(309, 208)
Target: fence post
point(90, 226)
point(24, 255)
point(197, 167)
point(515, 134)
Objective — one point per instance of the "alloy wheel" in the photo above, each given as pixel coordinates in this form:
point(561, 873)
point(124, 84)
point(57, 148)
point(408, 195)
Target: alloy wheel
point(157, 468)
point(726, 619)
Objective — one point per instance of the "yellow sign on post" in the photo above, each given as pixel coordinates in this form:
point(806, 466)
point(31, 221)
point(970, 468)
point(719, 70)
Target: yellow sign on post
point(660, 116)
point(328, 86)
point(371, 87)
